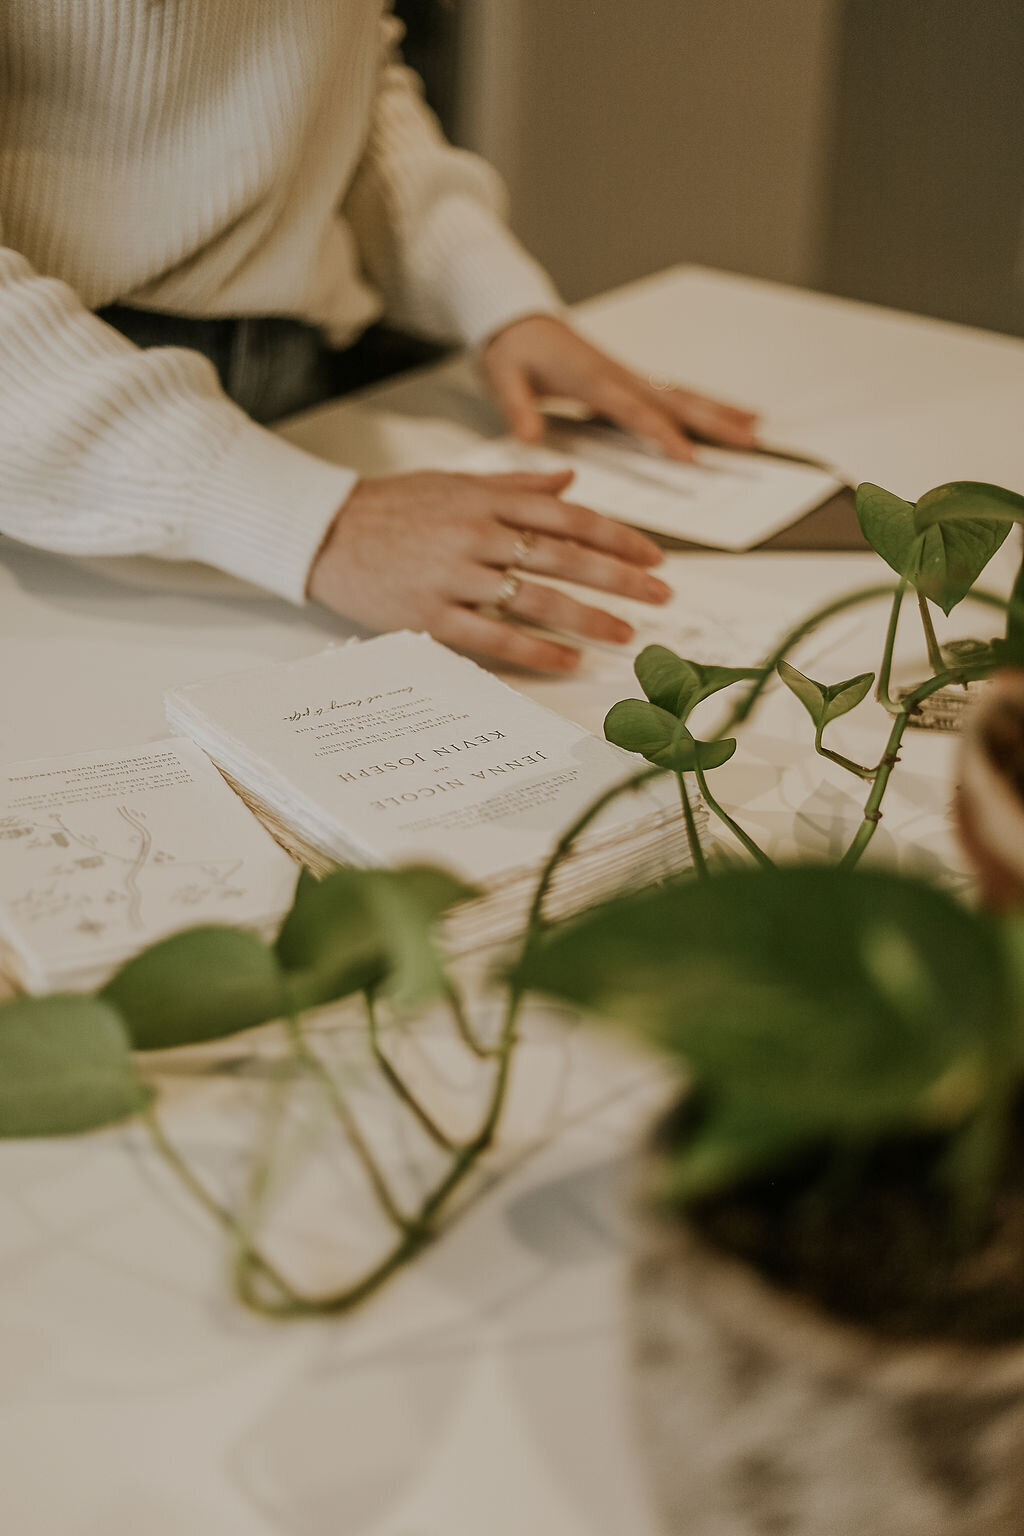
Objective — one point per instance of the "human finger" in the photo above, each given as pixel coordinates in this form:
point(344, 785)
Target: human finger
point(565, 558)
point(551, 481)
point(570, 520)
point(517, 401)
point(541, 604)
point(469, 630)
point(713, 419)
point(631, 408)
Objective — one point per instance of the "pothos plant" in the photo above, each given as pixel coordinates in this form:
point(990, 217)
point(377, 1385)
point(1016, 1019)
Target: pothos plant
point(812, 1004)
point(821, 1012)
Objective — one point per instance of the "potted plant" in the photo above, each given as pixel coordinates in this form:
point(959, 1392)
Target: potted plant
point(828, 1305)
point(828, 1294)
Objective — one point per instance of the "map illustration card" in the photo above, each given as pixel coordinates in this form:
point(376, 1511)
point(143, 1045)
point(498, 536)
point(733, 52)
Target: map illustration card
point(102, 853)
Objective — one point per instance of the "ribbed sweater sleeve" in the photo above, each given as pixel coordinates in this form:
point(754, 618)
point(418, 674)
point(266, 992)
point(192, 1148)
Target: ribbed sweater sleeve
point(108, 449)
point(214, 158)
point(428, 219)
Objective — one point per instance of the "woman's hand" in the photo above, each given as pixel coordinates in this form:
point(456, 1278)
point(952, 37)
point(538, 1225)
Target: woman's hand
point(542, 356)
point(429, 551)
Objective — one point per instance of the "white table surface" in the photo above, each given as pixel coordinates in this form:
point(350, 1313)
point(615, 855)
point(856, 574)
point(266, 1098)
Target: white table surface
point(485, 1390)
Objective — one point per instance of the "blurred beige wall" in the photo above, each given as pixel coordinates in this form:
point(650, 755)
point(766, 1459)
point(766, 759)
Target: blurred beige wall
point(926, 206)
point(638, 133)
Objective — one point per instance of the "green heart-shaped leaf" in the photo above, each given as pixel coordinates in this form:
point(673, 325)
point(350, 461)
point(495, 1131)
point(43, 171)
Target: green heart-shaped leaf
point(964, 500)
point(198, 985)
point(942, 545)
point(812, 695)
point(678, 685)
point(825, 701)
point(65, 1066)
point(968, 500)
point(844, 696)
point(408, 904)
point(809, 1003)
point(360, 928)
point(887, 522)
point(328, 944)
point(661, 738)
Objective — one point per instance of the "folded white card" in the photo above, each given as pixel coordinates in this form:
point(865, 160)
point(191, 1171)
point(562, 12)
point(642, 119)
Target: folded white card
point(102, 853)
point(726, 500)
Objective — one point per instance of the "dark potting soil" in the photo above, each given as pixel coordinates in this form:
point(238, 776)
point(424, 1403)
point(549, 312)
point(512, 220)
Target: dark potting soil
point(1003, 740)
point(872, 1240)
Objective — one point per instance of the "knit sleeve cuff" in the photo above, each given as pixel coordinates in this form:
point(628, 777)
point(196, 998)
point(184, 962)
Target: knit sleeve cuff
point(481, 275)
point(264, 508)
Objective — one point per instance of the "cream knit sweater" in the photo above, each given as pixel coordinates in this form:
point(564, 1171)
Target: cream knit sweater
point(213, 157)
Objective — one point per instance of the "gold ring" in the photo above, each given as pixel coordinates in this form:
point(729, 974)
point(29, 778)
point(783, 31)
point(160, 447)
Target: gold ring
point(525, 544)
point(507, 593)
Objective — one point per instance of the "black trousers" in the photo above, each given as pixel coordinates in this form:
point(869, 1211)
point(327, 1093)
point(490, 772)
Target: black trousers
point(271, 365)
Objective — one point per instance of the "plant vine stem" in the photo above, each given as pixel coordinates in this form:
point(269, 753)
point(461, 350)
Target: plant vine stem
point(350, 1296)
point(398, 1083)
point(625, 786)
point(935, 659)
point(742, 709)
point(534, 921)
point(259, 1184)
point(349, 1125)
point(414, 1238)
point(190, 1181)
point(872, 807)
point(734, 826)
point(843, 762)
point(885, 670)
point(846, 762)
point(700, 863)
point(465, 1030)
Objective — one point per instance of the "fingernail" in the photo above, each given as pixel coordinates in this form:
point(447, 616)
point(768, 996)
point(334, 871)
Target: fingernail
point(678, 449)
point(623, 633)
point(644, 553)
point(657, 591)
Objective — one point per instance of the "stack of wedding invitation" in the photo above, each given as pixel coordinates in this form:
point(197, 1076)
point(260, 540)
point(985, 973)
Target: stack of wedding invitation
point(103, 853)
point(396, 750)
